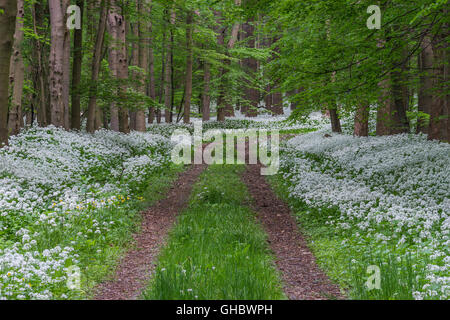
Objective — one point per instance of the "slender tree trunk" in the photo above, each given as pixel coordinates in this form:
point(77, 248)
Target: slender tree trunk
point(76, 72)
point(168, 76)
point(277, 100)
point(362, 121)
point(189, 62)
point(115, 25)
point(143, 63)
point(335, 121)
point(57, 62)
point(385, 108)
point(15, 121)
point(268, 99)
point(151, 71)
point(7, 28)
point(425, 97)
point(251, 67)
point(439, 112)
point(66, 69)
point(206, 103)
point(278, 103)
point(95, 68)
point(39, 73)
point(133, 30)
point(168, 83)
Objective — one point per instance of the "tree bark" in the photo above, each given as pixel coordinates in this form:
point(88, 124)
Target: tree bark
point(189, 62)
point(151, 69)
point(251, 66)
point(143, 46)
point(40, 76)
point(7, 28)
point(362, 121)
point(117, 62)
point(425, 95)
point(15, 121)
point(95, 68)
point(168, 77)
point(206, 104)
point(57, 62)
point(440, 110)
point(76, 72)
point(335, 121)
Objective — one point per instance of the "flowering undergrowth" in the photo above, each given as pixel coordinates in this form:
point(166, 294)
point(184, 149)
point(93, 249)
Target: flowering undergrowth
point(312, 123)
point(71, 199)
point(381, 201)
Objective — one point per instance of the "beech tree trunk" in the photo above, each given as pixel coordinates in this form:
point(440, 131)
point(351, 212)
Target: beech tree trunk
point(58, 67)
point(189, 62)
point(362, 121)
point(76, 72)
point(133, 31)
point(440, 110)
point(143, 64)
point(117, 61)
point(168, 83)
point(40, 75)
point(15, 121)
point(206, 104)
point(425, 96)
point(335, 121)
point(251, 66)
point(224, 106)
point(7, 28)
point(95, 69)
point(151, 71)
point(385, 108)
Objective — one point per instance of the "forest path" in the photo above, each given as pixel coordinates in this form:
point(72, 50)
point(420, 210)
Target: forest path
point(134, 271)
point(303, 280)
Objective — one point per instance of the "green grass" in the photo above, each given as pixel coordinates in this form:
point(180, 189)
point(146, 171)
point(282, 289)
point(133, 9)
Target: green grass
point(217, 250)
point(345, 257)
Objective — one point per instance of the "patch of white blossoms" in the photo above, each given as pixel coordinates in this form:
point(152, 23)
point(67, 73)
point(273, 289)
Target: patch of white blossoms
point(52, 180)
point(395, 190)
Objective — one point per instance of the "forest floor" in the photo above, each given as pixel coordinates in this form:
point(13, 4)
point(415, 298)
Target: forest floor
point(137, 265)
point(71, 202)
point(301, 279)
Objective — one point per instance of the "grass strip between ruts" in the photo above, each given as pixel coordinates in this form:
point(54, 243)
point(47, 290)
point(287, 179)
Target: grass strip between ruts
point(217, 250)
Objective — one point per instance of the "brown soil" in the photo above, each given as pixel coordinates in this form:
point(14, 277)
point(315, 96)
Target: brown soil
point(134, 271)
point(303, 280)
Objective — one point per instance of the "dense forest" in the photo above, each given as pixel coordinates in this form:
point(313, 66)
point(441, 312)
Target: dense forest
point(345, 106)
point(119, 64)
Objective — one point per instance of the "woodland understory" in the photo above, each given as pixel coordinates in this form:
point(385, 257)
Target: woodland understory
point(91, 93)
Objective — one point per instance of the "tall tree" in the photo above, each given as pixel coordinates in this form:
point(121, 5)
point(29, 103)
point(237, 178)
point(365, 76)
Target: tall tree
point(95, 68)
point(151, 68)
point(118, 64)
point(8, 10)
point(142, 61)
point(15, 121)
point(251, 66)
point(206, 103)
point(425, 96)
point(76, 71)
point(40, 74)
point(57, 80)
point(189, 62)
point(168, 76)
